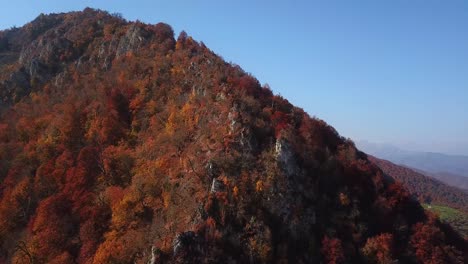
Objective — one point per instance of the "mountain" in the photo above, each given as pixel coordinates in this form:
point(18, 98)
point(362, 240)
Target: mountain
point(450, 169)
point(431, 192)
point(451, 179)
point(426, 189)
point(122, 144)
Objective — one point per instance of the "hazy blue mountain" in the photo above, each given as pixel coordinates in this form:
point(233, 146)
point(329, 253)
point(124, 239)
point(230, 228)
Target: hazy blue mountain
point(451, 179)
point(451, 169)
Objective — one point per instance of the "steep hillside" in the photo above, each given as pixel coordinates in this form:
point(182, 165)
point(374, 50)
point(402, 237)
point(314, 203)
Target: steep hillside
point(451, 179)
point(437, 197)
point(456, 218)
point(426, 189)
point(120, 144)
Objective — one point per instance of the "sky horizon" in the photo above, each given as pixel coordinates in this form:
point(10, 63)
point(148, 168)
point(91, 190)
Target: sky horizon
point(387, 72)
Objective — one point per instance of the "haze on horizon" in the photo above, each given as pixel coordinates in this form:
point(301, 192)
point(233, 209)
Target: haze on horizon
point(392, 72)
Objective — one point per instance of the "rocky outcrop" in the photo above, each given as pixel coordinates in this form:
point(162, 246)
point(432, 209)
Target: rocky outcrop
point(285, 157)
point(233, 115)
point(132, 40)
point(153, 258)
point(15, 87)
point(37, 64)
point(217, 186)
point(48, 50)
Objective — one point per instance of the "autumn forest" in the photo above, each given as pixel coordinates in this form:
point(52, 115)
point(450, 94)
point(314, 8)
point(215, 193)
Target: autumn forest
point(123, 143)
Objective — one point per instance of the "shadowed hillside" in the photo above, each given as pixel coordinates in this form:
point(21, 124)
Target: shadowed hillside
point(426, 189)
point(450, 203)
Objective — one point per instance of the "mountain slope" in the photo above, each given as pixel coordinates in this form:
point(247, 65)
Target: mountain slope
point(120, 144)
point(427, 190)
point(436, 196)
point(456, 218)
point(451, 179)
point(450, 169)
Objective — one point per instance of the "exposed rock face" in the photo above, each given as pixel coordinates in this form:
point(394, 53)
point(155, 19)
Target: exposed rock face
point(106, 53)
point(210, 169)
point(38, 62)
point(153, 257)
point(285, 157)
point(233, 115)
point(15, 87)
point(48, 50)
point(247, 141)
point(217, 186)
point(198, 90)
point(46, 56)
point(132, 41)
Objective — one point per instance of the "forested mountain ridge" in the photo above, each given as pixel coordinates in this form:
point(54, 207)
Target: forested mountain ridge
point(121, 144)
point(432, 193)
point(425, 188)
point(450, 169)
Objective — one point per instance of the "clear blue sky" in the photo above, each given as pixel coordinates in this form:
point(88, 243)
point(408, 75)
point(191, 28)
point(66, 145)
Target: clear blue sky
point(392, 71)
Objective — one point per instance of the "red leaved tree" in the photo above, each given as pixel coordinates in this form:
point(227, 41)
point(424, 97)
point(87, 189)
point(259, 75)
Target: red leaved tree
point(332, 250)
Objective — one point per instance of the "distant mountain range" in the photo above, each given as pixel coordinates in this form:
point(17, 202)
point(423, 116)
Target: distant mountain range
point(451, 169)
